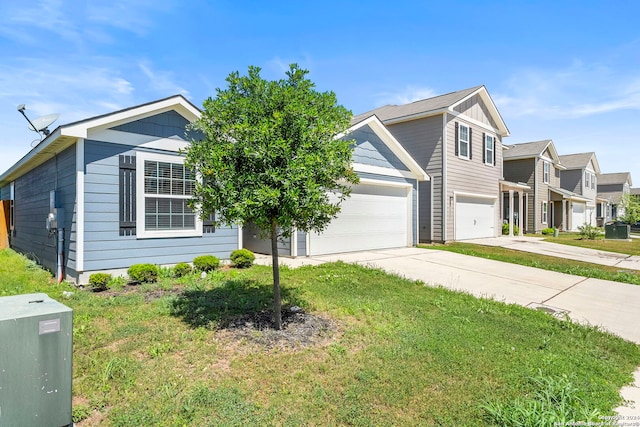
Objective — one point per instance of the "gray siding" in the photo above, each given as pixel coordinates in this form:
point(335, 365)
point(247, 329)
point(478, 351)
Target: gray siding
point(31, 207)
point(163, 125)
point(371, 150)
point(105, 249)
point(423, 140)
point(471, 175)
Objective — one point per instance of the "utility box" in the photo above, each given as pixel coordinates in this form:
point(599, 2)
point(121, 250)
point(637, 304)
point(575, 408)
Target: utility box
point(35, 361)
point(617, 231)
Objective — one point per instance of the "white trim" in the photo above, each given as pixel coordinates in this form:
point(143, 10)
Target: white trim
point(79, 217)
point(392, 143)
point(141, 232)
point(468, 141)
point(379, 170)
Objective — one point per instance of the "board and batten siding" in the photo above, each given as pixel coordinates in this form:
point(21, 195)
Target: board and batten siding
point(105, 248)
point(32, 205)
point(423, 140)
point(471, 176)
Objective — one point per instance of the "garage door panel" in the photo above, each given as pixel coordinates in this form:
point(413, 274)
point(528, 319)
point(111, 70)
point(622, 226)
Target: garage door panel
point(474, 218)
point(373, 217)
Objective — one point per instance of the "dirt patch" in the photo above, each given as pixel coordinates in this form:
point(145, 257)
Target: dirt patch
point(299, 329)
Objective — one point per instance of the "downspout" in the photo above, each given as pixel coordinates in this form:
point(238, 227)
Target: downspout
point(444, 198)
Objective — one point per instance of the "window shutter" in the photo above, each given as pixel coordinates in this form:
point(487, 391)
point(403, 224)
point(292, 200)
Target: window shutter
point(470, 139)
point(457, 141)
point(127, 195)
point(484, 147)
point(495, 148)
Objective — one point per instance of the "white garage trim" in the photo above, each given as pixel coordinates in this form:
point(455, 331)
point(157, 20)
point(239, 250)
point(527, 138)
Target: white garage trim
point(479, 207)
point(357, 227)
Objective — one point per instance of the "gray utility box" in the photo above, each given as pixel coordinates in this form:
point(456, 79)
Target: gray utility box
point(35, 361)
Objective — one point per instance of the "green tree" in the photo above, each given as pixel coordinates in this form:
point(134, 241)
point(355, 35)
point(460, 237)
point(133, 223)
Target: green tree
point(631, 206)
point(269, 155)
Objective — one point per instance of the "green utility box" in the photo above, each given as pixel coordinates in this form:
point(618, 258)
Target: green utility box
point(617, 231)
point(35, 361)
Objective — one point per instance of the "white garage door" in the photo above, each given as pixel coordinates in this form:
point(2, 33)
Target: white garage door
point(475, 217)
point(374, 217)
point(577, 215)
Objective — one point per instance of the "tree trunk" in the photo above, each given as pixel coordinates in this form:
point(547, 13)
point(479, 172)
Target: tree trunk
point(277, 300)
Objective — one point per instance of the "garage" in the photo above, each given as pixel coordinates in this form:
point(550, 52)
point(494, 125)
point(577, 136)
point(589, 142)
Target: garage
point(577, 215)
point(375, 216)
point(475, 217)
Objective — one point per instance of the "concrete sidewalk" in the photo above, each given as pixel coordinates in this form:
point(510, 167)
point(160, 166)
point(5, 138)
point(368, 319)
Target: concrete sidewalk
point(538, 246)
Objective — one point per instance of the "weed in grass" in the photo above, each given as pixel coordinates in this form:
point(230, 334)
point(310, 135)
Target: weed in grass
point(552, 401)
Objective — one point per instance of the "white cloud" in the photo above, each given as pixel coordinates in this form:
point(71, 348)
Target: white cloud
point(579, 90)
point(404, 96)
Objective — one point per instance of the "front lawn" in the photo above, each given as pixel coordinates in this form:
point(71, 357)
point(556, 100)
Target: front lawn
point(391, 352)
point(545, 262)
point(621, 246)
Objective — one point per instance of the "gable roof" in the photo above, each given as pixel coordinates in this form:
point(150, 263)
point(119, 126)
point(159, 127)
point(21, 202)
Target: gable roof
point(66, 135)
point(614, 178)
point(390, 114)
point(390, 141)
point(526, 150)
point(580, 161)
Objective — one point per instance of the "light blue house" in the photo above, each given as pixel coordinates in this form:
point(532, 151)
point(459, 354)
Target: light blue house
point(101, 194)
point(382, 211)
point(110, 191)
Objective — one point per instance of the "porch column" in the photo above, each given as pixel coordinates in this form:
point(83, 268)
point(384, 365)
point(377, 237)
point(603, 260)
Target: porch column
point(520, 212)
point(511, 213)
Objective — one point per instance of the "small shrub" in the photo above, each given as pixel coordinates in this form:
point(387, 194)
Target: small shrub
point(99, 282)
point(206, 262)
point(588, 231)
point(505, 229)
point(143, 273)
point(181, 269)
point(242, 258)
point(548, 231)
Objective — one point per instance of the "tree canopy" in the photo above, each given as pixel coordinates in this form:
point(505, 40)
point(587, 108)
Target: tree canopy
point(269, 154)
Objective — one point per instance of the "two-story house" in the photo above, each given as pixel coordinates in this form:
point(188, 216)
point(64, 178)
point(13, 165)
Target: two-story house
point(457, 139)
point(537, 164)
point(580, 177)
point(611, 188)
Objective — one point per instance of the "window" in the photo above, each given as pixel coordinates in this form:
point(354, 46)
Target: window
point(544, 212)
point(489, 154)
point(463, 141)
point(545, 172)
point(164, 190)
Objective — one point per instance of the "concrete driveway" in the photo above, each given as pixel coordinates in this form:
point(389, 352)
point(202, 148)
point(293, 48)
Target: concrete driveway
point(613, 306)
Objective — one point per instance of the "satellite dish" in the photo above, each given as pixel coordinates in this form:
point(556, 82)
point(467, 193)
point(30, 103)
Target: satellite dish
point(41, 124)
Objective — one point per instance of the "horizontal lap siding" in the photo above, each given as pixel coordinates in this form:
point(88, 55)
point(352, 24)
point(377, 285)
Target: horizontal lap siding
point(105, 248)
point(471, 176)
point(423, 140)
point(31, 208)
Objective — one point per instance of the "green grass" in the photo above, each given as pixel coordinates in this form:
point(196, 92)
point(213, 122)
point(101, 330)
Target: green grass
point(403, 353)
point(620, 246)
point(545, 262)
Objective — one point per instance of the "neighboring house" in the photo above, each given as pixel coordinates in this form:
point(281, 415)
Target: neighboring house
point(119, 189)
point(537, 164)
point(457, 139)
point(580, 177)
point(382, 209)
point(611, 188)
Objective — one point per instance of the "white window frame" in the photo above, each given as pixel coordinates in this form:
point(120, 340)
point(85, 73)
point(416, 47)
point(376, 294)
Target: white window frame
point(489, 153)
point(546, 171)
point(545, 212)
point(461, 141)
point(141, 231)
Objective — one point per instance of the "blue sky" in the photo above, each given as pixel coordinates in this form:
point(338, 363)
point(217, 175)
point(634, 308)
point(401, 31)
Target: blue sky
point(562, 70)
